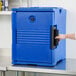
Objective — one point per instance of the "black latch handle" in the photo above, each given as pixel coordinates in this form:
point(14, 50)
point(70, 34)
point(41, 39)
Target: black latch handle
point(54, 33)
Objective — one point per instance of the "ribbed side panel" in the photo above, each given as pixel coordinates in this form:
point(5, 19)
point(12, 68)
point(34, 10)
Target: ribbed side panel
point(33, 36)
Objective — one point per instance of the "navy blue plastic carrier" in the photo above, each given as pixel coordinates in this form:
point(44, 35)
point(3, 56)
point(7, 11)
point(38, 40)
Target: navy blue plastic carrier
point(33, 35)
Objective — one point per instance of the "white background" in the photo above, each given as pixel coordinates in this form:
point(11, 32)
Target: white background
point(69, 5)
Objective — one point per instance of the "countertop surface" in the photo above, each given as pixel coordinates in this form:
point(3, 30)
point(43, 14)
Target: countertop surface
point(67, 66)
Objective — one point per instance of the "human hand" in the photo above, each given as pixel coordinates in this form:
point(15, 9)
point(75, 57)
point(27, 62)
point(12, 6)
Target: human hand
point(60, 37)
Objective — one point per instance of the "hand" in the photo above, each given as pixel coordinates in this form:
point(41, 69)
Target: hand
point(60, 37)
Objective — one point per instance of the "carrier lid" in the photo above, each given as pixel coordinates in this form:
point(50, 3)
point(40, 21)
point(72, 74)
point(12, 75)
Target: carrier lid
point(34, 9)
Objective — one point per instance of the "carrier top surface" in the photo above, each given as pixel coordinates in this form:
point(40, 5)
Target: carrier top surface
point(41, 9)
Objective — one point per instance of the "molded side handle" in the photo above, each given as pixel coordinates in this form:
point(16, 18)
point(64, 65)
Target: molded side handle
point(54, 33)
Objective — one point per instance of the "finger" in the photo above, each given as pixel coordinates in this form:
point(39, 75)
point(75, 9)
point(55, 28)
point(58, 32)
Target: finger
point(57, 37)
